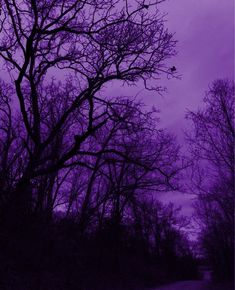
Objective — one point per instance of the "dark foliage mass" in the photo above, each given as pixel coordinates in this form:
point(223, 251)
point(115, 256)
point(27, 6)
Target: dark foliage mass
point(212, 144)
point(78, 169)
point(55, 256)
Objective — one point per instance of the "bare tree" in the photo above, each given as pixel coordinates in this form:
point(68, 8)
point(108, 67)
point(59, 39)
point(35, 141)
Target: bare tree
point(136, 160)
point(212, 143)
point(95, 42)
point(12, 149)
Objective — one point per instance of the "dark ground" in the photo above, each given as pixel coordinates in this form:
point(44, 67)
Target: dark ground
point(195, 285)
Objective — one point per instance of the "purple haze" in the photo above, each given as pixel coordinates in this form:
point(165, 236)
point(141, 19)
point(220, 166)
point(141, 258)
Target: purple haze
point(90, 187)
point(205, 34)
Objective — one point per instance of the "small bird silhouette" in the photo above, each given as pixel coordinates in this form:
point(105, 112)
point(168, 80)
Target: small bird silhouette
point(146, 6)
point(77, 139)
point(173, 69)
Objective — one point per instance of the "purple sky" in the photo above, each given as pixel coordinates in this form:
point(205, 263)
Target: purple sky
point(205, 33)
point(204, 30)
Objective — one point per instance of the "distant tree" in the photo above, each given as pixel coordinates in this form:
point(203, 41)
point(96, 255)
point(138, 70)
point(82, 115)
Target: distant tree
point(126, 167)
point(7, 135)
point(212, 146)
point(13, 153)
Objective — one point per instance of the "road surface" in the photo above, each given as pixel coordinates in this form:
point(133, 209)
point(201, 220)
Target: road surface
point(185, 285)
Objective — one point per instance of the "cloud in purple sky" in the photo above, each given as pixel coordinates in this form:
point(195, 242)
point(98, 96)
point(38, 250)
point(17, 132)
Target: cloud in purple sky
point(205, 33)
point(204, 30)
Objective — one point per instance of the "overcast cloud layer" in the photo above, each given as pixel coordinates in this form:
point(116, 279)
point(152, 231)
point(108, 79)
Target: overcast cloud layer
point(204, 30)
point(205, 33)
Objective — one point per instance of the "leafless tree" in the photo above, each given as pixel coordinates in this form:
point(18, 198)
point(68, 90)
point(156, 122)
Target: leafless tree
point(212, 143)
point(136, 159)
point(12, 149)
point(95, 42)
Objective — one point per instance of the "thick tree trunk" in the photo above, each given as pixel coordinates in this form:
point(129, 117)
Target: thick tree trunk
point(20, 204)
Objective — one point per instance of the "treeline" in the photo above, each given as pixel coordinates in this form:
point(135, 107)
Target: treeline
point(78, 169)
point(55, 256)
point(212, 140)
point(93, 223)
point(66, 147)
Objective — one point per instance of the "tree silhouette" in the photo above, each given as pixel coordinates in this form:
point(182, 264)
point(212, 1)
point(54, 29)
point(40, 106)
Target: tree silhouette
point(212, 143)
point(79, 169)
point(95, 42)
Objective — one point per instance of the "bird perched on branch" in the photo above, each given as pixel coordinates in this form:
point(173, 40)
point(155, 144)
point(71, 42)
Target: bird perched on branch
point(77, 139)
point(146, 6)
point(173, 69)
